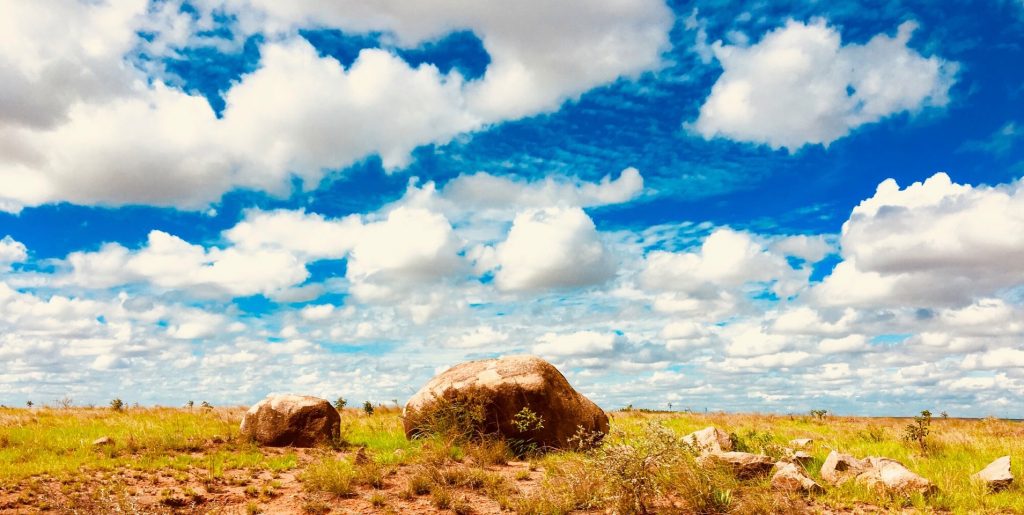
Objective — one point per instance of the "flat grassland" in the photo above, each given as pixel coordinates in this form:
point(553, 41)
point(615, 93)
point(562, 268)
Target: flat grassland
point(164, 460)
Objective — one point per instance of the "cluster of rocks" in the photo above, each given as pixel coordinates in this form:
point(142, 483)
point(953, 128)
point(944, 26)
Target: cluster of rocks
point(716, 448)
point(874, 472)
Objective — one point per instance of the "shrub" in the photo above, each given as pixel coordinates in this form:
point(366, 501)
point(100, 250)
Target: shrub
point(758, 443)
point(454, 415)
point(368, 408)
point(330, 476)
point(634, 474)
point(117, 405)
point(340, 403)
point(819, 414)
point(371, 473)
point(918, 430)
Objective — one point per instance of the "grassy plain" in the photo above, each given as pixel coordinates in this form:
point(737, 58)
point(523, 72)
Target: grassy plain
point(165, 460)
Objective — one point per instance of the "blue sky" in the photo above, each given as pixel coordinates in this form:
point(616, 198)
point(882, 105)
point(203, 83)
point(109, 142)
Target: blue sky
point(220, 199)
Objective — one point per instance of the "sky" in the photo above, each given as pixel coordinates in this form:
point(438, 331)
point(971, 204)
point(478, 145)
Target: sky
point(738, 206)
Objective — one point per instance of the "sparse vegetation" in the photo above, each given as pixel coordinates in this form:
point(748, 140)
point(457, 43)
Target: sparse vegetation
point(46, 460)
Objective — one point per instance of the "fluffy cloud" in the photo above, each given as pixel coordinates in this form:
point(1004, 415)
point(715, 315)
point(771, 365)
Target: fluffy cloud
point(482, 191)
point(11, 251)
point(726, 258)
point(170, 263)
point(934, 243)
point(552, 248)
point(410, 246)
point(799, 85)
point(580, 343)
point(541, 53)
point(84, 124)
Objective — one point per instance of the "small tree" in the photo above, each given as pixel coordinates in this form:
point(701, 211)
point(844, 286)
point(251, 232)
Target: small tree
point(368, 407)
point(28, 403)
point(189, 404)
point(117, 405)
point(819, 414)
point(918, 430)
point(206, 405)
point(944, 415)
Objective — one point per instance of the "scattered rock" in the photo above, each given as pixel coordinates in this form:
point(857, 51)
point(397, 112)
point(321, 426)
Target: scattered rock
point(840, 468)
point(790, 477)
point(873, 471)
point(800, 457)
point(103, 441)
point(710, 439)
point(801, 443)
point(891, 475)
point(996, 475)
point(744, 465)
point(291, 420)
point(504, 387)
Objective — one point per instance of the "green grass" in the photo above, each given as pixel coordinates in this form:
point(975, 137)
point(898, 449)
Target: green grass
point(58, 442)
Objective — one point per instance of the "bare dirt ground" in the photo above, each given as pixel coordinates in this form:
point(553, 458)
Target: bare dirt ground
point(239, 491)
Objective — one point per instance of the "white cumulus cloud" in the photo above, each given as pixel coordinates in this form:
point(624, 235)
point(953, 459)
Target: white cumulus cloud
point(552, 248)
point(800, 85)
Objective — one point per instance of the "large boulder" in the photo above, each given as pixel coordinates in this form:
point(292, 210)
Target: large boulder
point(710, 439)
point(790, 477)
point(996, 475)
point(291, 420)
point(495, 391)
point(875, 472)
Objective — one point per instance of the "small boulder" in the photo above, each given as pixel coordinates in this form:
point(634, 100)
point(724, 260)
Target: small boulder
point(291, 420)
point(890, 475)
point(801, 443)
point(503, 388)
point(996, 475)
point(840, 468)
point(744, 465)
point(790, 477)
point(103, 441)
point(710, 439)
point(800, 457)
